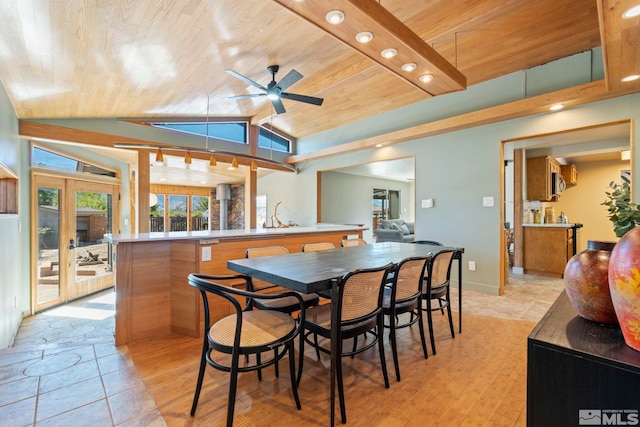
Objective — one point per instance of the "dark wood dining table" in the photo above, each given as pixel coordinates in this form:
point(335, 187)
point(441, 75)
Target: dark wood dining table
point(318, 272)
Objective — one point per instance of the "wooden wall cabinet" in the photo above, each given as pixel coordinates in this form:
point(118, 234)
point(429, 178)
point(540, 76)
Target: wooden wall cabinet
point(570, 174)
point(546, 250)
point(539, 170)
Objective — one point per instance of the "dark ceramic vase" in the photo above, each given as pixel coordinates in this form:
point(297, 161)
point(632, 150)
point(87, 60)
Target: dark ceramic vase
point(586, 281)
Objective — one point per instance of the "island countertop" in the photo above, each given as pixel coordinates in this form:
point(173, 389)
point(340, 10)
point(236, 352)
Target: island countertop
point(232, 234)
point(570, 225)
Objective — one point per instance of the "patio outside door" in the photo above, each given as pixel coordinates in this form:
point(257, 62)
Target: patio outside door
point(71, 257)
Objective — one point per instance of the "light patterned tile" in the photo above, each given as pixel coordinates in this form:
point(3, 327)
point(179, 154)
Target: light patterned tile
point(131, 404)
point(62, 400)
point(94, 414)
point(18, 390)
point(75, 374)
point(18, 414)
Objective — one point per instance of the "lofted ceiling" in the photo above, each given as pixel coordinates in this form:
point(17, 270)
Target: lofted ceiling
point(167, 58)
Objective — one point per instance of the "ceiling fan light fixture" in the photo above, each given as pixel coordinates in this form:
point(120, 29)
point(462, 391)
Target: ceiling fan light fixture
point(631, 12)
point(335, 17)
point(556, 107)
point(409, 67)
point(212, 161)
point(631, 78)
point(272, 96)
point(389, 53)
point(426, 78)
point(187, 158)
point(159, 156)
point(364, 36)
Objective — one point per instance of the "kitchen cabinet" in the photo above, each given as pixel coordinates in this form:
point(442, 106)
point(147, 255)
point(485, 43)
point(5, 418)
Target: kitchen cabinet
point(546, 249)
point(576, 367)
point(570, 174)
point(539, 175)
point(8, 191)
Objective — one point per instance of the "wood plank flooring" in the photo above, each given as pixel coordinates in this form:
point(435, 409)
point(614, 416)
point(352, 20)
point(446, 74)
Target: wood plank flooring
point(476, 379)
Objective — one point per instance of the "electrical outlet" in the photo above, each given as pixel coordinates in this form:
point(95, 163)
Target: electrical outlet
point(487, 201)
point(206, 253)
point(428, 203)
point(472, 266)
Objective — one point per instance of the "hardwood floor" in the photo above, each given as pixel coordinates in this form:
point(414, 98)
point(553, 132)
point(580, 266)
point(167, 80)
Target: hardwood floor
point(478, 378)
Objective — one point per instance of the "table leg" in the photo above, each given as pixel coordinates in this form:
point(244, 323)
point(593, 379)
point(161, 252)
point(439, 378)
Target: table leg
point(460, 292)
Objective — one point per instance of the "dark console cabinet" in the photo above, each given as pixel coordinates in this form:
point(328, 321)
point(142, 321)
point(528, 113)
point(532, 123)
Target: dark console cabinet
point(576, 367)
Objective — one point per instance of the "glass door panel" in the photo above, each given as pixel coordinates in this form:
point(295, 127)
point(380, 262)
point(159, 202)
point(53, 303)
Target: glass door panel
point(177, 213)
point(48, 224)
point(199, 213)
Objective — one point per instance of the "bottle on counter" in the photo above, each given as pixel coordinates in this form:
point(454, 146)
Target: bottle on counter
point(562, 219)
point(549, 216)
point(537, 218)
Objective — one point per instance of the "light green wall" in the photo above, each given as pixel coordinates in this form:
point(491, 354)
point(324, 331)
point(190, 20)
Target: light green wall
point(14, 236)
point(457, 170)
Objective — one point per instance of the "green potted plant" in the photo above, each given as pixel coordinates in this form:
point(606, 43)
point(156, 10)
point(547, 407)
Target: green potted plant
point(624, 214)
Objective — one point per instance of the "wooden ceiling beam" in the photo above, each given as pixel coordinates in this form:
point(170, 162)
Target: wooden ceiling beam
point(578, 95)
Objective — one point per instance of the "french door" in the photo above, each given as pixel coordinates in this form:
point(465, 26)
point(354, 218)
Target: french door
point(70, 255)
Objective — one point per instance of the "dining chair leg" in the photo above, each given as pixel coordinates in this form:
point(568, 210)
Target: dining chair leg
point(301, 361)
point(277, 369)
point(315, 342)
point(440, 304)
point(258, 361)
point(394, 348)
point(292, 373)
point(343, 409)
point(430, 321)
point(203, 365)
point(383, 360)
point(450, 320)
point(422, 339)
point(233, 385)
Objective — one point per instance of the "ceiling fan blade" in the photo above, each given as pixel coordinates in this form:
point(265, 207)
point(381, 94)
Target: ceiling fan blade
point(291, 78)
point(252, 95)
point(277, 105)
point(302, 98)
point(245, 79)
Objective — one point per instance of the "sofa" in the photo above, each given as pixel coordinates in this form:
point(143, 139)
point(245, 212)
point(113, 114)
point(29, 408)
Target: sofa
point(394, 230)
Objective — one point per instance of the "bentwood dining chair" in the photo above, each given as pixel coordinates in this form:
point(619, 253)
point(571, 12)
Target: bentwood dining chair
point(317, 246)
point(244, 332)
point(359, 310)
point(436, 286)
point(403, 295)
point(284, 305)
point(352, 242)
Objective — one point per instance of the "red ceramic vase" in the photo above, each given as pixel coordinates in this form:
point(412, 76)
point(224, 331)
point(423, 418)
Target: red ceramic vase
point(586, 281)
point(624, 284)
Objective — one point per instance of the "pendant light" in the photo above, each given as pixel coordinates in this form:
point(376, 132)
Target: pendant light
point(159, 156)
point(234, 163)
point(254, 166)
point(187, 158)
point(212, 160)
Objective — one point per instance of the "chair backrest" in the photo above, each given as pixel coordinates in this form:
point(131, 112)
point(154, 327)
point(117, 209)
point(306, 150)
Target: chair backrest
point(407, 281)
point(352, 242)
point(428, 242)
point(361, 293)
point(265, 251)
point(439, 269)
point(317, 246)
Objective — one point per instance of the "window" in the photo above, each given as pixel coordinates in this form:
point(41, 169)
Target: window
point(228, 131)
point(42, 157)
point(261, 211)
point(177, 213)
point(157, 214)
point(184, 212)
point(272, 140)
point(199, 213)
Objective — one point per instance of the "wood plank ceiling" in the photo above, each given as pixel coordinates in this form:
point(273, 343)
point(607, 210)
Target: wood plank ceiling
point(137, 59)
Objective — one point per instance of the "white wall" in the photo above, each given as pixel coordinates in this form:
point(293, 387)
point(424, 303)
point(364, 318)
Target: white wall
point(14, 237)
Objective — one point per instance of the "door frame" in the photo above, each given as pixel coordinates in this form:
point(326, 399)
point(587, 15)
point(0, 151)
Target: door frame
point(68, 185)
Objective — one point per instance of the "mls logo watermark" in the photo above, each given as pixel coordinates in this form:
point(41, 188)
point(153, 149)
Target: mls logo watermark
point(608, 417)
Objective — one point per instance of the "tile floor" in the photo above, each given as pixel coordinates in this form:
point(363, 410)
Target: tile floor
point(64, 368)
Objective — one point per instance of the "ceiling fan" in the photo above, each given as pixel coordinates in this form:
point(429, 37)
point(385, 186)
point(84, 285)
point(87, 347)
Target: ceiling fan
point(275, 90)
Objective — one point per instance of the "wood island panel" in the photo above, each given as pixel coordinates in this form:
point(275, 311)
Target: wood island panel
point(153, 297)
point(546, 250)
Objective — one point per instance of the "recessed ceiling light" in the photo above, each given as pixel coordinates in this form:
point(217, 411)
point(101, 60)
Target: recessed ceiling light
point(335, 17)
point(364, 37)
point(409, 67)
point(203, 182)
point(631, 78)
point(632, 12)
point(163, 179)
point(378, 145)
point(389, 53)
point(556, 107)
point(426, 78)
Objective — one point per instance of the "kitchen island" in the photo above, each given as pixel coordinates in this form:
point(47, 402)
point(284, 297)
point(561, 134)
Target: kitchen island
point(546, 248)
point(153, 297)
